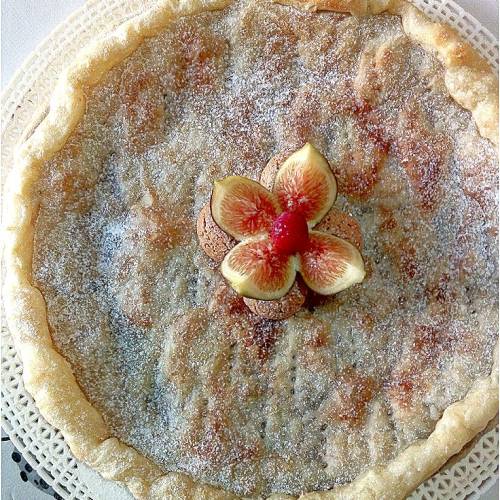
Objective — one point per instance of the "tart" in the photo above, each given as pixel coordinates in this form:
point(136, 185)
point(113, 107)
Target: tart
point(161, 375)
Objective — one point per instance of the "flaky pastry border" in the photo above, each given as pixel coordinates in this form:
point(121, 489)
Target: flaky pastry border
point(48, 376)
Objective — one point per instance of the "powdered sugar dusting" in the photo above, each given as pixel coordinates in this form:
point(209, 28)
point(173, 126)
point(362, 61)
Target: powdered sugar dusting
point(175, 362)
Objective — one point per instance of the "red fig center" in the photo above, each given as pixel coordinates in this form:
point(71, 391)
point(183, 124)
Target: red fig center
point(289, 233)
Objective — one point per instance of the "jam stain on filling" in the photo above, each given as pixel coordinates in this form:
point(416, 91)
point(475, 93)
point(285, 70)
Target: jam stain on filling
point(350, 396)
point(263, 335)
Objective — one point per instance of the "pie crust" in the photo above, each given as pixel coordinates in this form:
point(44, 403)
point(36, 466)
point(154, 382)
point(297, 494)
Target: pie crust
point(49, 377)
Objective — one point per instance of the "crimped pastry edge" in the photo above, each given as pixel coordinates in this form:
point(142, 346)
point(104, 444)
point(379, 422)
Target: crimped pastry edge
point(48, 376)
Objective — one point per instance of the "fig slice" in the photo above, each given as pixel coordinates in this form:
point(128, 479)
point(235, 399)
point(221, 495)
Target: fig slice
point(242, 207)
point(256, 271)
point(330, 264)
point(306, 184)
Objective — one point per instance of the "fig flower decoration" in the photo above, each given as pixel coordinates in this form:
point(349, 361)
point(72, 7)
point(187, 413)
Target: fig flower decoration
point(274, 231)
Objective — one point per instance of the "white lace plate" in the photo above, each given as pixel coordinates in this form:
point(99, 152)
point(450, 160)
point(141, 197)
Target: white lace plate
point(44, 448)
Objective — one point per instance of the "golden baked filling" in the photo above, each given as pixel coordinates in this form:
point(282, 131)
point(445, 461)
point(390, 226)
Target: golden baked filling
point(178, 366)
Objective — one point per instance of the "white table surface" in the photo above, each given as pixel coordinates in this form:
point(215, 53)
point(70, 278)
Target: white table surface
point(24, 24)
